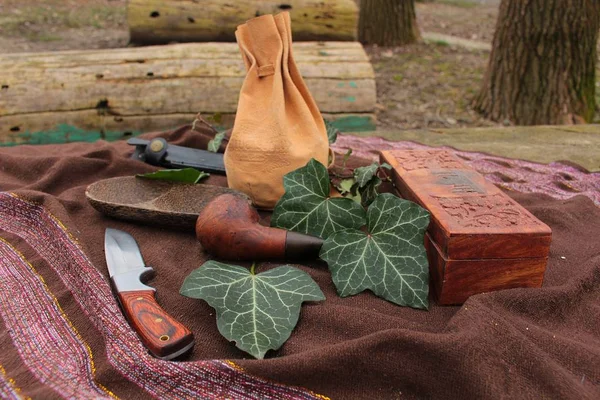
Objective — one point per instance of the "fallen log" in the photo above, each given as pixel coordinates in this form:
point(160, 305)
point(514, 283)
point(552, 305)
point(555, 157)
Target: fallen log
point(87, 95)
point(166, 21)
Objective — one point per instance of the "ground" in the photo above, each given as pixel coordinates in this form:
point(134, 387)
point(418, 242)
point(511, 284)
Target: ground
point(427, 85)
point(42, 25)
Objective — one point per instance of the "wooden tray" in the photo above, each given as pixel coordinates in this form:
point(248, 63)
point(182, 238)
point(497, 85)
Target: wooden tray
point(152, 201)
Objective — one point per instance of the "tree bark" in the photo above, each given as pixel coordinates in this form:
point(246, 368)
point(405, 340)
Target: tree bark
point(388, 22)
point(153, 88)
point(165, 21)
point(542, 66)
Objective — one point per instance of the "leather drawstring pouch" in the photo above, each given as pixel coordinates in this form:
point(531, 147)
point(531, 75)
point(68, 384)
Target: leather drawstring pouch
point(278, 127)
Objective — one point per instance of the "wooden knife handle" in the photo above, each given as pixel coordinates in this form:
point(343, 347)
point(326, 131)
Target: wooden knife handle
point(162, 335)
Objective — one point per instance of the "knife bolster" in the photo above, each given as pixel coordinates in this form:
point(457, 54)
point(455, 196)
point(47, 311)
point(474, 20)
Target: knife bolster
point(132, 280)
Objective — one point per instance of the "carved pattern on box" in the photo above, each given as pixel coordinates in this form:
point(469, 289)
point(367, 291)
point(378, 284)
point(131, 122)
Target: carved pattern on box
point(495, 211)
point(429, 159)
point(458, 180)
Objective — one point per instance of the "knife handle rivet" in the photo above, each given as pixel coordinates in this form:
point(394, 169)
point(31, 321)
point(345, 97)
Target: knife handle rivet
point(156, 146)
point(140, 298)
point(158, 320)
point(164, 338)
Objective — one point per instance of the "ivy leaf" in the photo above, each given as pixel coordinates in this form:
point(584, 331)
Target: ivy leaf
point(332, 131)
point(368, 182)
point(259, 311)
point(354, 196)
point(345, 186)
point(389, 260)
point(215, 143)
point(349, 189)
point(186, 175)
point(307, 208)
point(369, 192)
point(364, 174)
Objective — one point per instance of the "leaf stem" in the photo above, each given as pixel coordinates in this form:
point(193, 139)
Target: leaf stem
point(252, 268)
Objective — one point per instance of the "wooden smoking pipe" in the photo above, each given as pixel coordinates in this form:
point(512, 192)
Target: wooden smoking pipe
point(228, 228)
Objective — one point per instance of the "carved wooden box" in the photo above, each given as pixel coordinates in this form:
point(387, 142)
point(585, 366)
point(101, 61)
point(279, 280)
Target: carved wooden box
point(479, 239)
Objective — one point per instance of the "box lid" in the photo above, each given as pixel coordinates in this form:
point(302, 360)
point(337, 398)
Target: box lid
point(470, 217)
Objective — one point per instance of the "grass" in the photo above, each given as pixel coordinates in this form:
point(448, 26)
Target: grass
point(441, 43)
point(45, 37)
point(459, 3)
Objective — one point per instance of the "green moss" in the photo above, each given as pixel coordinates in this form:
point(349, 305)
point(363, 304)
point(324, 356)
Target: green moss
point(441, 43)
point(216, 118)
point(460, 3)
point(354, 123)
point(45, 37)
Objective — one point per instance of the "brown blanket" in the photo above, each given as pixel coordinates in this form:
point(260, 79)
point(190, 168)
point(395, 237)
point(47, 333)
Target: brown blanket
point(62, 334)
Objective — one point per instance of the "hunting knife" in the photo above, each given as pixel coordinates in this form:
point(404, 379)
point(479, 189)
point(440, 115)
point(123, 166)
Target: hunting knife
point(163, 336)
point(160, 153)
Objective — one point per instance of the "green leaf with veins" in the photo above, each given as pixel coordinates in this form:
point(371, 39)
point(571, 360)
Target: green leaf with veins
point(369, 192)
point(349, 189)
point(345, 185)
point(215, 143)
point(332, 131)
point(364, 174)
point(259, 311)
point(186, 175)
point(389, 260)
point(307, 208)
point(368, 182)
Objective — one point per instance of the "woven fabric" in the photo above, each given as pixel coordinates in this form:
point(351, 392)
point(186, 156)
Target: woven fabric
point(561, 180)
point(63, 335)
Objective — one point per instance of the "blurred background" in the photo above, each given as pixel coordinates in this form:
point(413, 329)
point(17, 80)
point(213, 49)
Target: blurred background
point(428, 84)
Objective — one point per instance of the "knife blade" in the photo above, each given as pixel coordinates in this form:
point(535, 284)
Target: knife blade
point(163, 335)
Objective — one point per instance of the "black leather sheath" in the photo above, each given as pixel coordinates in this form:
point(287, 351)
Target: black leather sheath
point(160, 153)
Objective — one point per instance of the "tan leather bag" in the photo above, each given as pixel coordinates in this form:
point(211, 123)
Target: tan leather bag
point(278, 127)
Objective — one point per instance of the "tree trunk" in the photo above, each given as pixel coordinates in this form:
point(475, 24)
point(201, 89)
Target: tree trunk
point(542, 66)
point(388, 22)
